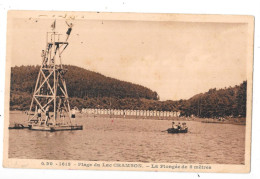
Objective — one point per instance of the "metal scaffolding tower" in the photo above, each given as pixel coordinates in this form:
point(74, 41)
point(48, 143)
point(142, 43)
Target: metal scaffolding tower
point(50, 101)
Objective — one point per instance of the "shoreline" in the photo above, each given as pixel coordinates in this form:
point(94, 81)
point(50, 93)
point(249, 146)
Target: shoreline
point(234, 121)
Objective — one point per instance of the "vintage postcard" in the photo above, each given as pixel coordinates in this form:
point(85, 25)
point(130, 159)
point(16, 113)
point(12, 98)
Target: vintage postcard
point(128, 91)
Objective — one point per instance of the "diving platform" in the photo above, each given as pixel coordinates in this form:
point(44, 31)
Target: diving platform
point(50, 128)
point(58, 43)
point(53, 128)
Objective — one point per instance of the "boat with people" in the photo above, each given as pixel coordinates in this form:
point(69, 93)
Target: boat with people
point(178, 128)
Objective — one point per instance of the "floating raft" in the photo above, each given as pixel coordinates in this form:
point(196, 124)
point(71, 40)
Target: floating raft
point(18, 126)
point(175, 131)
point(55, 128)
point(51, 128)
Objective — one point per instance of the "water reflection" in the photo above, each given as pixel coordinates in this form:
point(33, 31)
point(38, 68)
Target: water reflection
point(131, 140)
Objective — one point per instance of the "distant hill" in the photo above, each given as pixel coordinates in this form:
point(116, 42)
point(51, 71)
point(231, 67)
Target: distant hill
point(89, 89)
point(217, 103)
point(81, 83)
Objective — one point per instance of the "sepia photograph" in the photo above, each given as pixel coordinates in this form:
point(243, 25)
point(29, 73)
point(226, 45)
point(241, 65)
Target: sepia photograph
point(128, 91)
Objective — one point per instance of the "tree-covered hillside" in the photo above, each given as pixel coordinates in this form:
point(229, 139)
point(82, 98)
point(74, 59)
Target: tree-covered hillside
point(217, 103)
point(81, 83)
point(88, 89)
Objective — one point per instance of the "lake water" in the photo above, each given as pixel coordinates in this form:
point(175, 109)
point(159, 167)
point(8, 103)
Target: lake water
point(131, 140)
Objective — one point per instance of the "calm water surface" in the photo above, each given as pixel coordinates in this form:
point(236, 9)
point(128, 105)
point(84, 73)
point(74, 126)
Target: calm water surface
point(131, 140)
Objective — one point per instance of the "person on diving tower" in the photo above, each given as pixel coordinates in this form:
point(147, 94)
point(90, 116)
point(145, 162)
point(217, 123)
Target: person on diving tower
point(69, 30)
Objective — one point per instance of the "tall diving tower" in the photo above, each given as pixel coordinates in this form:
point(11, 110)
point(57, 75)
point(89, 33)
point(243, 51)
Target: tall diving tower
point(50, 107)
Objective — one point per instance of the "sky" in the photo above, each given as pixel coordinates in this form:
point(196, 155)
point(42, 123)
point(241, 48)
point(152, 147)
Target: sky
point(175, 59)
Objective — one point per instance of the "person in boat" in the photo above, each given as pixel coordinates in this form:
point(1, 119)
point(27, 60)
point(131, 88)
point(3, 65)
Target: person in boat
point(173, 125)
point(184, 125)
point(179, 126)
